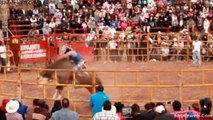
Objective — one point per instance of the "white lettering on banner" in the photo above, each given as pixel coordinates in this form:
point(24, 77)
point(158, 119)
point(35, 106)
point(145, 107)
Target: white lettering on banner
point(32, 51)
point(30, 47)
point(36, 55)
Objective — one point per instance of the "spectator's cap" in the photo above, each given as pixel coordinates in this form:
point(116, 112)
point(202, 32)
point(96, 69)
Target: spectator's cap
point(64, 10)
point(69, 10)
point(12, 106)
point(57, 10)
point(100, 88)
point(159, 109)
point(159, 32)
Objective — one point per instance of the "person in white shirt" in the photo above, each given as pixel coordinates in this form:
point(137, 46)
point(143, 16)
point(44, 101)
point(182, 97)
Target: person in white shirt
point(52, 24)
point(112, 31)
point(113, 51)
point(58, 15)
point(107, 113)
point(206, 25)
point(89, 38)
point(33, 21)
point(165, 51)
point(3, 55)
point(197, 46)
point(1, 35)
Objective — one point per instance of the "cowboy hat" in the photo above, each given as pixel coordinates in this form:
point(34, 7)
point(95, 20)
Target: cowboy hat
point(12, 106)
point(160, 109)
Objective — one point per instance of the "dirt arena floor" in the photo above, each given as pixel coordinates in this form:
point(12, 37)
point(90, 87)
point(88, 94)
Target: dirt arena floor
point(150, 74)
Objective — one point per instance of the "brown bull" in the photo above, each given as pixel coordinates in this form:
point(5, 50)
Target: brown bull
point(82, 77)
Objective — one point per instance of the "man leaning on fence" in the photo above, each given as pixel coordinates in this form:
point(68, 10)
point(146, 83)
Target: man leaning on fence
point(3, 56)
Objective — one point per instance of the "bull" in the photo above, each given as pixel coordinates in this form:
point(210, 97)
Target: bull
point(81, 77)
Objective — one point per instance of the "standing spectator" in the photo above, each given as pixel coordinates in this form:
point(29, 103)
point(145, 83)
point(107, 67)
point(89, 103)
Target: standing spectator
point(1, 35)
point(41, 113)
point(58, 16)
point(206, 25)
point(178, 113)
point(31, 109)
point(191, 25)
point(162, 115)
point(12, 108)
point(65, 113)
point(97, 100)
point(165, 51)
point(52, 24)
point(106, 114)
point(56, 106)
point(112, 49)
point(89, 38)
point(84, 26)
point(196, 58)
point(3, 56)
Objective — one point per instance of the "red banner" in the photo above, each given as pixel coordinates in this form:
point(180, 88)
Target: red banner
point(29, 53)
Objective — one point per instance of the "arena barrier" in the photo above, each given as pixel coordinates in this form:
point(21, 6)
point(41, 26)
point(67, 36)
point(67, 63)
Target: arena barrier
point(131, 86)
point(144, 47)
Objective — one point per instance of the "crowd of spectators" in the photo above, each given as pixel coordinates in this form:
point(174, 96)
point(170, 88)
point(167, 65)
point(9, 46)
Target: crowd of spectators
point(151, 111)
point(130, 19)
point(120, 14)
point(13, 109)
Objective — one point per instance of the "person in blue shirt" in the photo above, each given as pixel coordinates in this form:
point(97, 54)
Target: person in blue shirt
point(114, 24)
point(73, 55)
point(97, 100)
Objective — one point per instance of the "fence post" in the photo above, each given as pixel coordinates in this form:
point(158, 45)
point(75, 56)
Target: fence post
point(180, 85)
point(147, 47)
point(93, 82)
point(19, 84)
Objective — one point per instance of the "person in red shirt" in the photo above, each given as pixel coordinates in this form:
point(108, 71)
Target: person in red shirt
point(178, 112)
